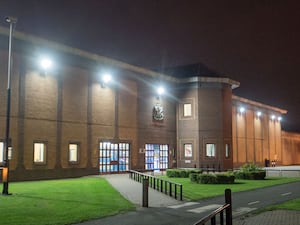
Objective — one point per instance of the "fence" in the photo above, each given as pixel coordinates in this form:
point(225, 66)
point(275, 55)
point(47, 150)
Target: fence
point(170, 188)
point(227, 207)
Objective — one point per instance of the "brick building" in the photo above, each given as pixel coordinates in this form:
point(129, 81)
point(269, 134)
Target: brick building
point(67, 122)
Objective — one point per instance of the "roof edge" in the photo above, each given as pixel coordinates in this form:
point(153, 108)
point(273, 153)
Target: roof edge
point(251, 102)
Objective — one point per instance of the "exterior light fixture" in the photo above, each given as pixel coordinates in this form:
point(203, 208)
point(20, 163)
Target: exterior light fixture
point(160, 90)
point(273, 117)
point(46, 63)
point(258, 113)
point(106, 78)
point(279, 118)
point(242, 109)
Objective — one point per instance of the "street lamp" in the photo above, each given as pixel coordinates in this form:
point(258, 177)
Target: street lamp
point(12, 21)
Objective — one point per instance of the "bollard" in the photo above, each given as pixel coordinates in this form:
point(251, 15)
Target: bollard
point(229, 209)
point(145, 191)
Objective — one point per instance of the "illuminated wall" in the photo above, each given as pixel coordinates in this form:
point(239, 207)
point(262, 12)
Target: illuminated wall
point(290, 148)
point(256, 132)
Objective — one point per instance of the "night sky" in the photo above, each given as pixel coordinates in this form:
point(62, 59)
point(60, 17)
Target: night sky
point(255, 42)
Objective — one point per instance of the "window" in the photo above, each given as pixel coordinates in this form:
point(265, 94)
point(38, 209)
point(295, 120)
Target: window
point(156, 156)
point(73, 152)
point(39, 152)
point(188, 151)
point(227, 151)
point(1, 152)
point(187, 109)
point(210, 150)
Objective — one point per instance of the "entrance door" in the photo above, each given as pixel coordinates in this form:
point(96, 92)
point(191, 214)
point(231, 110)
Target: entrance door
point(113, 157)
point(156, 156)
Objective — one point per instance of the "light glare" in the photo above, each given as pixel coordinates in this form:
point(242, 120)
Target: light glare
point(258, 113)
point(160, 90)
point(106, 78)
point(46, 63)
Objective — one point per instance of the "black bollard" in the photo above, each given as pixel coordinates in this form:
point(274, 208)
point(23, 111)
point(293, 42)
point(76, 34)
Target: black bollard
point(145, 191)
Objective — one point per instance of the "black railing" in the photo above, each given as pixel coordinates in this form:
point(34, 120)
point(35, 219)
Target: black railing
point(227, 207)
point(170, 188)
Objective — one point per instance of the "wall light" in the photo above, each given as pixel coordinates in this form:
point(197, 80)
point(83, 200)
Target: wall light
point(273, 117)
point(46, 63)
point(279, 118)
point(242, 109)
point(160, 90)
point(106, 78)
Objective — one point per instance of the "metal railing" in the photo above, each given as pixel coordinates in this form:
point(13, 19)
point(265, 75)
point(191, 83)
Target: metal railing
point(170, 188)
point(212, 217)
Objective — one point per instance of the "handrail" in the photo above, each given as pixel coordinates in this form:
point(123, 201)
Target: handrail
point(212, 216)
point(167, 187)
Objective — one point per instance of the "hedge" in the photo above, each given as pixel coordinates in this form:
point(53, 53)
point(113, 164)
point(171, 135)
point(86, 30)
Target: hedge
point(253, 175)
point(181, 172)
point(212, 178)
point(250, 171)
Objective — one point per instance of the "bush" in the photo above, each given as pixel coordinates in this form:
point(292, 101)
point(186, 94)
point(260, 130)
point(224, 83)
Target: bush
point(250, 171)
point(207, 179)
point(212, 178)
point(194, 177)
point(181, 172)
point(258, 175)
point(225, 178)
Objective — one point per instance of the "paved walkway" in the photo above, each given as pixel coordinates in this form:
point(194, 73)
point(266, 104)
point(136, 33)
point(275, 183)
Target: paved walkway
point(132, 190)
point(164, 210)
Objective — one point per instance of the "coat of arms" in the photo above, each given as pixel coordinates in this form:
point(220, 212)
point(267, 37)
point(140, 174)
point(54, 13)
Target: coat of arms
point(158, 113)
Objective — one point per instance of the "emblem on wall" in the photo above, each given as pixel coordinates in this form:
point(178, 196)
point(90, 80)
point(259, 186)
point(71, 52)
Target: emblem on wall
point(158, 113)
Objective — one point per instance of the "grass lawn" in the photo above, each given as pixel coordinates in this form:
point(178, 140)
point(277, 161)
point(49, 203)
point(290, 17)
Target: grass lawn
point(60, 201)
point(193, 191)
point(289, 205)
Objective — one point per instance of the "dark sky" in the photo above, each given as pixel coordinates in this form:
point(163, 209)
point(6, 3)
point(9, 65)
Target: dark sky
point(255, 42)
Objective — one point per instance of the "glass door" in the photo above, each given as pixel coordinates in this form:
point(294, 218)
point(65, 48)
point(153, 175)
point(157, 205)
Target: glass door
point(113, 157)
point(156, 156)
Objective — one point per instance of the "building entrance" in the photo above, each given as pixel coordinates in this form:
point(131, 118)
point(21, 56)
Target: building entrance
point(113, 157)
point(156, 156)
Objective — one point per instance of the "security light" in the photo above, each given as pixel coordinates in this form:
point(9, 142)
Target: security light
point(106, 78)
point(160, 90)
point(258, 113)
point(46, 63)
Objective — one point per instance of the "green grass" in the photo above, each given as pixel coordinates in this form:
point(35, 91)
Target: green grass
point(60, 201)
point(193, 191)
point(288, 205)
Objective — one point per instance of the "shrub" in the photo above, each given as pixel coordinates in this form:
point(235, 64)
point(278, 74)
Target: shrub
point(250, 171)
point(194, 177)
point(181, 172)
point(207, 179)
point(225, 178)
point(258, 175)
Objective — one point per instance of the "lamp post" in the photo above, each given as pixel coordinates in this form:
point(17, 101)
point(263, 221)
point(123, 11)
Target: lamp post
point(12, 21)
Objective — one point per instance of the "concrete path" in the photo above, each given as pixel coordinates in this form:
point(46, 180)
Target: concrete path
point(132, 190)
